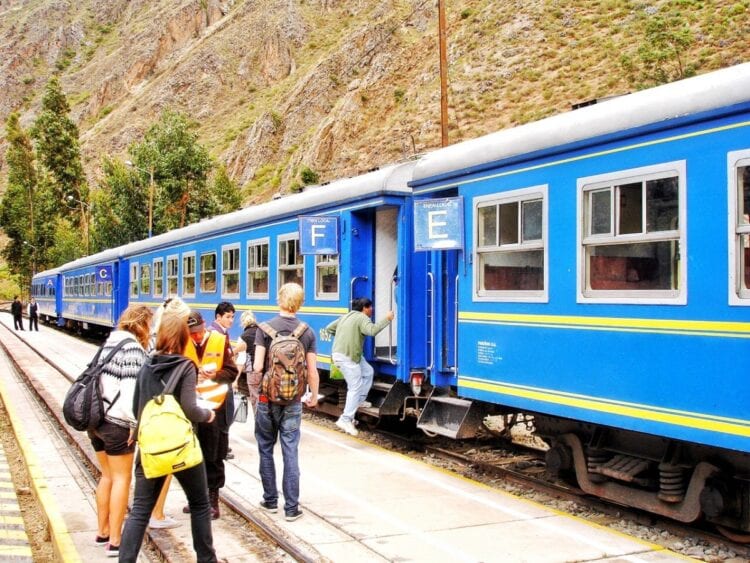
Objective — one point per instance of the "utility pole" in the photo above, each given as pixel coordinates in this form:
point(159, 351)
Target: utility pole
point(443, 75)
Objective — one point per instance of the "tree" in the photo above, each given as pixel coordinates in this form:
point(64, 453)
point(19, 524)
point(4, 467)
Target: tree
point(58, 149)
point(180, 167)
point(120, 207)
point(225, 191)
point(18, 213)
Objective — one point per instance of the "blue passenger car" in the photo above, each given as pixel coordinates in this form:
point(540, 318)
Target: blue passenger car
point(92, 298)
point(338, 241)
point(603, 288)
point(45, 290)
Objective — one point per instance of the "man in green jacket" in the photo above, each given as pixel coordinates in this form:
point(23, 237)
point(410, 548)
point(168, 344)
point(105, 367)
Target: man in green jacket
point(349, 336)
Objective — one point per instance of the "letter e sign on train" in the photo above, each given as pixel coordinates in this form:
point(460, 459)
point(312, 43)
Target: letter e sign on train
point(439, 224)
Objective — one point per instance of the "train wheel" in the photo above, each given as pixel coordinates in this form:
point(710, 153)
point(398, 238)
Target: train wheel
point(733, 535)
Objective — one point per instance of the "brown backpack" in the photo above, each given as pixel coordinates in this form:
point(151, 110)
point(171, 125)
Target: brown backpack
point(285, 378)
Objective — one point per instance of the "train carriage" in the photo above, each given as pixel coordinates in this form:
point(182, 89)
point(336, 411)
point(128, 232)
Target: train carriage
point(338, 241)
point(91, 292)
point(603, 287)
point(45, 290)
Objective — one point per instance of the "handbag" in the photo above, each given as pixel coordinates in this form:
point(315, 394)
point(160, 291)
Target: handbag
point(240, 407)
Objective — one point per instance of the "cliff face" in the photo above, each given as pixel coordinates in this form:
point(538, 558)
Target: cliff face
point(340, 86)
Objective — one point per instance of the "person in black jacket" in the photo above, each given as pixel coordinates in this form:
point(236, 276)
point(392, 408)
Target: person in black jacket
point(33, 315)
point(16, 309)
point(170, 342)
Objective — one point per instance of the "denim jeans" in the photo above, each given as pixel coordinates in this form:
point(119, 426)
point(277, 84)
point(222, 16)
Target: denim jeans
point(358, 378)
point(193, 482)
point(282, 422)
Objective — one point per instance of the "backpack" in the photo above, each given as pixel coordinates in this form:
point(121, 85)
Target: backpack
point(166, 440)
point(286, 377)
point(83, 407)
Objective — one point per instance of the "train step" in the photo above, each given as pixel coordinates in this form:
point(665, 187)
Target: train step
point(387, 398)
point(450, 416)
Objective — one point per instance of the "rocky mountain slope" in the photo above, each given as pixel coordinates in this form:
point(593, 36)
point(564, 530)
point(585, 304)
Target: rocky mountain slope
point(339, 86)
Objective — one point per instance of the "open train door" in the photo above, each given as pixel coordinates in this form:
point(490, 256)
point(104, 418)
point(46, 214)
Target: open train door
point(375, 273)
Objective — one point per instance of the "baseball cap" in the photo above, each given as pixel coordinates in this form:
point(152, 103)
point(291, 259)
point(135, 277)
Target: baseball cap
point(195, 321)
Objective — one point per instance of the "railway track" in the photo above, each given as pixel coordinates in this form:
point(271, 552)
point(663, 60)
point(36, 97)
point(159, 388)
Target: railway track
point(265, 541)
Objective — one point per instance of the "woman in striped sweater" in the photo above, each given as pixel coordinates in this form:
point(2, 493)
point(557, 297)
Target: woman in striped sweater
point(113, 441)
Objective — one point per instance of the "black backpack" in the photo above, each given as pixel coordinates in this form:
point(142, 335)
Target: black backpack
point(83, 407)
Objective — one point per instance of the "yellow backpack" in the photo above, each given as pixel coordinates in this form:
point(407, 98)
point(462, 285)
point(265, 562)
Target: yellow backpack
point(166, 439)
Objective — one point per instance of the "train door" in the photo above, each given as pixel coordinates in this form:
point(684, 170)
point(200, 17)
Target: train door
point(374, 273)
point(386, 278)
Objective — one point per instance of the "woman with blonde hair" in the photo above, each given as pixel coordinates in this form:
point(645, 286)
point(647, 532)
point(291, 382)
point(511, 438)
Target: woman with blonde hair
point(113, 440)
point(172, 306)
point(168, 360)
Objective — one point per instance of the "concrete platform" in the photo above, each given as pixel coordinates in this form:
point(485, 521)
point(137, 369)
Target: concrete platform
point(360, 502)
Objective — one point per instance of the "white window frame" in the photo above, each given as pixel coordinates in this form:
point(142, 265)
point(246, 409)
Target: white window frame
point(157, 277)
point(225, 271)
point(135, 280)
point(173, 278)
point(251, 244)
point(621, 177)
point(202, 272)
point(192, 275)
point(150, 279)
point(737, 294)
point(283, 239)
point(333, 260)
point(516, 295)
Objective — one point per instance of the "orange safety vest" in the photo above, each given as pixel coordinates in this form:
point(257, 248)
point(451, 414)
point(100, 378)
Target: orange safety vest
point(213, 351)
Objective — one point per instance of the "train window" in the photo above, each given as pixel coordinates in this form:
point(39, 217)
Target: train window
point(257, 269)
point(230, 271)
point(172, 273)
point(188, 274)
point(92, 284)
point(108, 289)
point(208, 272)
point(146, 279)
point(159, 277)
point(511, 245)
point(134, 279)
point(291, 262)
point(327, 276)
point(739, 244)
point(631, 240)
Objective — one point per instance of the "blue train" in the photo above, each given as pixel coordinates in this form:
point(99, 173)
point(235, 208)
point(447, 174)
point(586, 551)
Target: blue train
point(589, 273)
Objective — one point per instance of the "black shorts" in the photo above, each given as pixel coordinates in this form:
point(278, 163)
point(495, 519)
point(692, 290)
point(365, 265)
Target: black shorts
point(111, 439)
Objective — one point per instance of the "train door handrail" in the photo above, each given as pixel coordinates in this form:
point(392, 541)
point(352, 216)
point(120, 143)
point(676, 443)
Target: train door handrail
point(431, 281)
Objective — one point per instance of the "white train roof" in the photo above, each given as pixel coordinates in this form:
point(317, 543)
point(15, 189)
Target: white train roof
point(389, 180)
point(686, 97)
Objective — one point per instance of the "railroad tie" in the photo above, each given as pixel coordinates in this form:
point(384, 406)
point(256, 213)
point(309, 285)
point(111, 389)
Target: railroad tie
point(14, 543)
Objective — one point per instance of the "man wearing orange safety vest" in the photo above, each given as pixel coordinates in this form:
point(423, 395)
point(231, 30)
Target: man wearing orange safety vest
point(212, 353)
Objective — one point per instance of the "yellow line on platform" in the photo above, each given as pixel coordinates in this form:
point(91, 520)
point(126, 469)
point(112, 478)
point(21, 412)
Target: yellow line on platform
point(63, 543)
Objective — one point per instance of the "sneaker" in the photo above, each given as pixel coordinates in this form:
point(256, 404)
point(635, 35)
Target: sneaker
point(165, 524)
point(294, 515)
point(347, 427)
point(113, 550)
point(101, 540)
point(268, 507)
point(366, 405)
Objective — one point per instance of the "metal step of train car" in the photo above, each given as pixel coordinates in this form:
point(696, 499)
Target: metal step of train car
point(450, 416)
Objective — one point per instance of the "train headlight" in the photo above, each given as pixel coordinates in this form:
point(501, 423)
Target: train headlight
point(415, 381)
